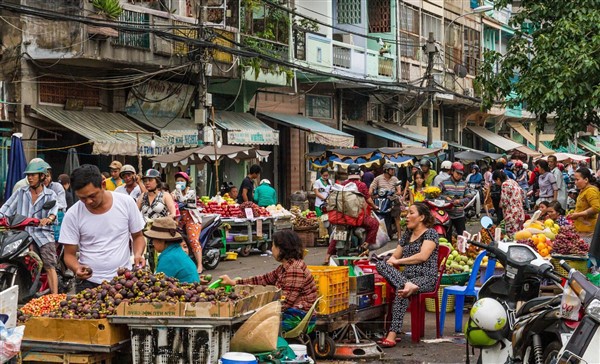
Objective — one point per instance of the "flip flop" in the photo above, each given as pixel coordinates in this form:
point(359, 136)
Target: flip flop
point(385, 343)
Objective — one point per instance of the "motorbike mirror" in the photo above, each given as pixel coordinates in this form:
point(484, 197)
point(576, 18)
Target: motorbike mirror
point(487, 222)
point(48, 205)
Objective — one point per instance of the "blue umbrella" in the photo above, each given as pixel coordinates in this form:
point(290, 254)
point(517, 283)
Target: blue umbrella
point(16, 164)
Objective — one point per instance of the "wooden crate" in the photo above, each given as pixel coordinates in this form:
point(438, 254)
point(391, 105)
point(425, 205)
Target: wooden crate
point(33, 357)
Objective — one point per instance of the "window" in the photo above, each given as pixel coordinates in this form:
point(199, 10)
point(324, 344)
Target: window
point(472, 50)
point(129, 39)
point(56, 91)
point(409, 32)
point(453, 54)
point(431, 24)
point(319, 107)
point(380, 16)
point(348, 11)
point(425, 118)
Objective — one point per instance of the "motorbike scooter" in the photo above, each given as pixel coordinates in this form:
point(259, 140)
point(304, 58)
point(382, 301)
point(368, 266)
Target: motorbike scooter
point(439, 209)
point(533, 322)
point(21, 266)
point(583, 345)
point(473, 207)
point(385, 200)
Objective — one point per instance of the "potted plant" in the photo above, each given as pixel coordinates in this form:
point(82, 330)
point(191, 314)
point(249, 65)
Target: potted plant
point(105, 10)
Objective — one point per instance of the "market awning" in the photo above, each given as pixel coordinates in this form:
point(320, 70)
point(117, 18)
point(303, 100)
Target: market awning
point(473, 155)
point(561, 157)
point(493, 138)
point(588, 146)
point(318, 133)
point(422, 139)
point(528, 152)
point(519, 128)
point(246, 129)
point(98, 127)
point(208, 154)
point(180, 132)
point(380, 133)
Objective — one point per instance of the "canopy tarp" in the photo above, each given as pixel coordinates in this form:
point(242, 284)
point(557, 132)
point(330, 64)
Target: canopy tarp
point(519, 128)
point(361, 127)
point(523, 150)
point(207, 154)
point(472, 155)
point(567, 157)
point(246, 129)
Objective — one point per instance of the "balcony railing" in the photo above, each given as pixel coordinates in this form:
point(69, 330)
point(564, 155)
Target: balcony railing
point(386, 67)
point(342, 56)
point(267, 47)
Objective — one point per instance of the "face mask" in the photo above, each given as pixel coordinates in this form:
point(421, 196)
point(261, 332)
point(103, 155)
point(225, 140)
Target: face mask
point(180, 185)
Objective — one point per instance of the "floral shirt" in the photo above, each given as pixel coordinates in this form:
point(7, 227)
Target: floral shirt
point(511, 203)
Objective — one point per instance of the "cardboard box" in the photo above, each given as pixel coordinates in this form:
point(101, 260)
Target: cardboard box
point(89, 332)
point(258, 297)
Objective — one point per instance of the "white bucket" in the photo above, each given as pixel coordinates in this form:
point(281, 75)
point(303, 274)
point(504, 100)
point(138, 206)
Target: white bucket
point(300, 351)
point(237, 358)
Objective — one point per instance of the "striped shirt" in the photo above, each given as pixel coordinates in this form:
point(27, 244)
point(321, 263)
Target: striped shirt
point(453, 190)
point(297, 285)
point(20, 203)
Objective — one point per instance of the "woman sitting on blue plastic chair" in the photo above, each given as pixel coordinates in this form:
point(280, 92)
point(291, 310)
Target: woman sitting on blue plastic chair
point(417, 250)
point(298, 287)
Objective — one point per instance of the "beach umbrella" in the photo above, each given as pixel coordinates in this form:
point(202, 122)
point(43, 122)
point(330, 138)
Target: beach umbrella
point(16, 164)
point(72, 161)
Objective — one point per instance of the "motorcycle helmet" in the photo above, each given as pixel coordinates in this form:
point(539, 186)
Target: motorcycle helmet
point(457, 166)
point(475, 167)
point(476, 336)
point(488, 314)
point(128, 168)
point(389, 166)
point(525, 166)
point(152, 173)
point(510, 165)
point(36, 167)
point(446, 165)
point(183, 175)
point(425, 162)
point(353, 171)
point(519, 164)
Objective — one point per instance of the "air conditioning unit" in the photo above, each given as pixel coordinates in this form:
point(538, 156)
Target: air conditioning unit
point(469, 91)
point(347, 38)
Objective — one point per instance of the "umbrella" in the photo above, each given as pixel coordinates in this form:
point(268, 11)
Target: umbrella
point(16, 163)
point(72, 161)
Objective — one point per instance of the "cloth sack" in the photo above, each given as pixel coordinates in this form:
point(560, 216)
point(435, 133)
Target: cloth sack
point(346, 199)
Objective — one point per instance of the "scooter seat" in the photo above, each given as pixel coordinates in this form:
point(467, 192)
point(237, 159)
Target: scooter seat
point(208, 219)
point(532, 305)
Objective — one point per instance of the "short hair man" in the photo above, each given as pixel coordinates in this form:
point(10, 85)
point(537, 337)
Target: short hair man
point(100, 226)
point(247, 188)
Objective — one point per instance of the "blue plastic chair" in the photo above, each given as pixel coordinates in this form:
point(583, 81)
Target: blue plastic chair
point(460, 292)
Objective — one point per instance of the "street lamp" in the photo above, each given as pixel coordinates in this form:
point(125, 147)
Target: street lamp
point(478, 10)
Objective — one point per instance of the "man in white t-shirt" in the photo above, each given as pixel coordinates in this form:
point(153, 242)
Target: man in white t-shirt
point(100, 225)
point(133, 185)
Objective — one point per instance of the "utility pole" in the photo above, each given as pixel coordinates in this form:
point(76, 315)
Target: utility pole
point(431, 50)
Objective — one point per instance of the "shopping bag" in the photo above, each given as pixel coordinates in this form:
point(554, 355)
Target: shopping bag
point(570, 305)
point(10, 341)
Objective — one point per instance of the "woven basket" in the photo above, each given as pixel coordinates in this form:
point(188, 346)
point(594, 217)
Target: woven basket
point(458, 279)
point(307, 238)
point(578, 262)
point(430, 303)
point(306, 228)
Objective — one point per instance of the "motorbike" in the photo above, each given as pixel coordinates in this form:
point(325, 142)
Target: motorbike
point(534, 328)
point(439, 209)
point(350, 240)
point(473, 207)
point(582, 346)
point(213, 249)
point(23, 267)
point(385, 201)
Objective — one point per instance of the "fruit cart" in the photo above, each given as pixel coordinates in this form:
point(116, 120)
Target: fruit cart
point(243, 234)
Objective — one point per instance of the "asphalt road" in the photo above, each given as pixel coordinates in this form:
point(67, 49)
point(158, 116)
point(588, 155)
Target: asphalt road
point(450, 349)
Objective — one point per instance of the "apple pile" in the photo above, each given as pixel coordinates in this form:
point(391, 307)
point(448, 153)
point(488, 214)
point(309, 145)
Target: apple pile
point(224, 209)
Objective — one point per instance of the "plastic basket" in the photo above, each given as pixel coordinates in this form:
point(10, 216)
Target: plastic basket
point(455, 279)
point(178, 344)
point(579, 263)
point(333, 284)
point(430, 303)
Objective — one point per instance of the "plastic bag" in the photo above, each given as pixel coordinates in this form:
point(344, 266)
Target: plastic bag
point(570, 305)
point(10, 341)
point(382, 234)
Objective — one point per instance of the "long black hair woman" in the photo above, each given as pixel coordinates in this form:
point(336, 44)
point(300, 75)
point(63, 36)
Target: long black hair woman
point(417, 250)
